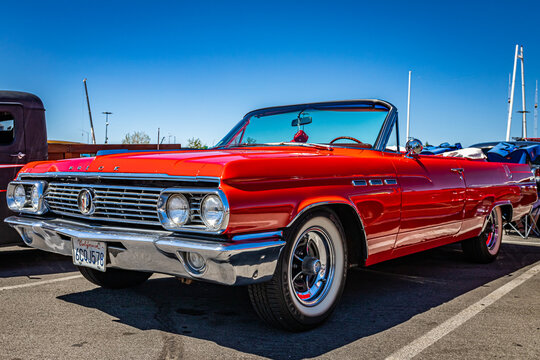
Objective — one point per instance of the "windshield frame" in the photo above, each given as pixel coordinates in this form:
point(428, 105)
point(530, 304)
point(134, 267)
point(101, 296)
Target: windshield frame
point(380, 142)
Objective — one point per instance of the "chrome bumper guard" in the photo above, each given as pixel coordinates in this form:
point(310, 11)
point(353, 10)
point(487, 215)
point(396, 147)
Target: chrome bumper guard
point(249, 261)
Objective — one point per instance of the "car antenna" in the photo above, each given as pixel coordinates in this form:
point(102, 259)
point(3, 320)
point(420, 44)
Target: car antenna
point(89, 113)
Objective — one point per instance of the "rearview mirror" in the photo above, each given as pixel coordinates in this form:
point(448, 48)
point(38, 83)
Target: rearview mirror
point(304, 120)
point(413, 147)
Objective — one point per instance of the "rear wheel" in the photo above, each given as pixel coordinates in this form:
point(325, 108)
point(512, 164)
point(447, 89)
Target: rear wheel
point(309, 278)
point(114, 278)
point(485, 248)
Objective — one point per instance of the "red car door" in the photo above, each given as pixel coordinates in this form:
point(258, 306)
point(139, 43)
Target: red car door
point(432, 200)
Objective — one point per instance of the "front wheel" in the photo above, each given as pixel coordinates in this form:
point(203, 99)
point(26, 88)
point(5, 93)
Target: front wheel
point(309, 278)
point(485, 248)
point(114, 278)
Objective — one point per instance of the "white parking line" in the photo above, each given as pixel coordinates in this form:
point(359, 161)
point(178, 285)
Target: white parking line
point(420, 344)
point(518, 242)
point(40, 283)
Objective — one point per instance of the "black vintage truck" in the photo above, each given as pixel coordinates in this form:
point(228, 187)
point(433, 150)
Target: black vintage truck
point(23, 138)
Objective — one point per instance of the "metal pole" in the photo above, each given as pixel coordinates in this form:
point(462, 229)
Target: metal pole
point(523, 112)
point(509, 87)
point(107, 113)
point(158, 138)
point(512, 96)
point(89, 114)
point(408, 108)
point(536, 111)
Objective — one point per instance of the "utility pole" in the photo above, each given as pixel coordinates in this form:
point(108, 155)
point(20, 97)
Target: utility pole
point(107, 113)
point(89, 113)
point(408, 108)
point(536, 111)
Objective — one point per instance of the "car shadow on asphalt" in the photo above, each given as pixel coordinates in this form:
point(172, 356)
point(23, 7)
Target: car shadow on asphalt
point(375, 299)
point(24, 261)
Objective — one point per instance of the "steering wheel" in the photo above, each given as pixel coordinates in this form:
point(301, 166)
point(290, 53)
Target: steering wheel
point(347, 138)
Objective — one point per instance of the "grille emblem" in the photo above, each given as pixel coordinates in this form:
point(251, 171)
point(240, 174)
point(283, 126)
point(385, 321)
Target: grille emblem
point(85, 202)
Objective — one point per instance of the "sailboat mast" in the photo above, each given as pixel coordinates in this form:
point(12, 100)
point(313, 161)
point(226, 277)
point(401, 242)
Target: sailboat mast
point(523, 111)
point(408, 108)
point(509, 124)
point(89, 113)
point(536, 111)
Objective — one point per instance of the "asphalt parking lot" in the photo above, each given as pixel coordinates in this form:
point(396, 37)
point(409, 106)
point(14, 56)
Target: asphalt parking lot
point(428, 305)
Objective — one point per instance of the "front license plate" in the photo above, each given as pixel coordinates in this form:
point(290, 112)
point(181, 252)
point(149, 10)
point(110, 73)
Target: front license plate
point(89, 253)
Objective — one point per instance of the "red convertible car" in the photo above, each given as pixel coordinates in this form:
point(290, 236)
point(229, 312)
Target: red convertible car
point(289, 200)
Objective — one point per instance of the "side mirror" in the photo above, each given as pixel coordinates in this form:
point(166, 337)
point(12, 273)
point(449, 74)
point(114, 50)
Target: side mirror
point(413, 147)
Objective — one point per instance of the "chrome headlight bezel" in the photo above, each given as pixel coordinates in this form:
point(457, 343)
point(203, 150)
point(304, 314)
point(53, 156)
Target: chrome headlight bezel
point(189, 227)
point(35, 197)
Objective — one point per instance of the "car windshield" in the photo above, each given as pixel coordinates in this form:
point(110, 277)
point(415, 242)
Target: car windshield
point(358, 126)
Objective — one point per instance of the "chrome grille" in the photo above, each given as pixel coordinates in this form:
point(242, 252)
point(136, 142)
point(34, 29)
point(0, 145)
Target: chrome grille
point(112, 203)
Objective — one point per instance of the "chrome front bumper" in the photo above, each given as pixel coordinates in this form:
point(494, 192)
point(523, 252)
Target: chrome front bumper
point(249, 260)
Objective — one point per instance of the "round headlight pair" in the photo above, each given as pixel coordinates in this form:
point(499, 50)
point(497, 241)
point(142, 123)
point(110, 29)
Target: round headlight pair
point(20, 197)
point(212, 211)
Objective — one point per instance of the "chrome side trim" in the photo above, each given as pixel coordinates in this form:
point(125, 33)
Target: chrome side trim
point(228, 263)
point(130, 176)
point(359, 182)
point(258, 236)
point(323, 203)
point(390, 181)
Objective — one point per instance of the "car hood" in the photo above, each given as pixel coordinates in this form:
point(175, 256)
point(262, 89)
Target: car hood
point(232, 165)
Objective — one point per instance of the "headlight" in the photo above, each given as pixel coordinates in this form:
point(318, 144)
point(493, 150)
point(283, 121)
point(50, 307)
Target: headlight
point(27, 197)
point(19, 196)
point(178, 209)
point(194, 210)
point(35, 198)
point(212, 212)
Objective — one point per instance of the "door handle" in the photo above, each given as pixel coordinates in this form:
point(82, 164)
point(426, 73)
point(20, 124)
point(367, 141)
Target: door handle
point(19, 156)
point(458, 170)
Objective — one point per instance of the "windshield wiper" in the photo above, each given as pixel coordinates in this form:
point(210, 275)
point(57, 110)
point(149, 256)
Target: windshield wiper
point(312, 145)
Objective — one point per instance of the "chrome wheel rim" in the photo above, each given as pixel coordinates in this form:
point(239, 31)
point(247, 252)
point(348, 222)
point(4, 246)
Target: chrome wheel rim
point(491, 231)
point(312, 266)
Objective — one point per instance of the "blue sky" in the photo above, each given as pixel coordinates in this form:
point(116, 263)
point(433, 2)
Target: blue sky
point(195, 68)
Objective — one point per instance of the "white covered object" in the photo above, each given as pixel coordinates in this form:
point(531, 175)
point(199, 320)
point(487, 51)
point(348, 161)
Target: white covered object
point(470, 153)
